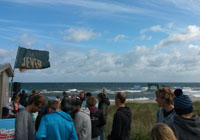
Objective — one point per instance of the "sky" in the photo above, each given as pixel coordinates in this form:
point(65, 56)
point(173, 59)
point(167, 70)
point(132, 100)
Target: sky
point(104, 41)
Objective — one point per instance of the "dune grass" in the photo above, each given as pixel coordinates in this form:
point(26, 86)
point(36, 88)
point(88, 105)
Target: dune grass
point(143, 119)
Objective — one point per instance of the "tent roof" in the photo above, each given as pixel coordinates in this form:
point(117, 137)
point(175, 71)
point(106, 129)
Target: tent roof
point(8, 69)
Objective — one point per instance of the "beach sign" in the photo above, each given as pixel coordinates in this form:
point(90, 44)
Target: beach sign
point(7, 129)
point(31, 59)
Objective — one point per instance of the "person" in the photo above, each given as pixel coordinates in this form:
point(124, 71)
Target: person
point(83, 99)
point(58, 99)
point(74, 96)
point(121, 126)
point(82, 120)
point(164, 98)
point(103, 106)
point(14, 107)
point(96, 116)
point(57, 125)
point(162, 131)
point(23, 98)
point(24, 123)
point(49, 108)
point(185, 125)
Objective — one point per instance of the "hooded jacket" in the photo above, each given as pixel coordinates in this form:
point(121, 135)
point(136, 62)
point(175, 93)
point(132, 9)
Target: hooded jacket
point(82, 124)
point(97, 119)
point(186, 129)
point(121, 124)
point(56, 126)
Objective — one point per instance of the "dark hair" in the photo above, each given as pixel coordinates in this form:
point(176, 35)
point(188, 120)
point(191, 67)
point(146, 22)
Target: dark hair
point(37, 100)
point(102, 96)
point(66, 105)
point(121, 96)
point(88, 94)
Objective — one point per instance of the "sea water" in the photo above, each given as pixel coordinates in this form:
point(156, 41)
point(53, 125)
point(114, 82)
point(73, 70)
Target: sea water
point(134, 91)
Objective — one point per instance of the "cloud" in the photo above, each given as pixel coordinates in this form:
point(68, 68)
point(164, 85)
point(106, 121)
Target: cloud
point(141, 64)
point(118, 37)
point(78, 35)
point(144, 37)
point(192, 33)
point(156, 28)
point(24, 40)
point(90, 4)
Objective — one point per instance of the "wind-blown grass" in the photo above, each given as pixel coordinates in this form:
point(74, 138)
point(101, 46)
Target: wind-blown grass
point(143, 119)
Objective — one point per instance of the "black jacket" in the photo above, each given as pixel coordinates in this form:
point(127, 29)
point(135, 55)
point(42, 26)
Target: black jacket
point(186, 129)
point(121, 124)
point(98, 120)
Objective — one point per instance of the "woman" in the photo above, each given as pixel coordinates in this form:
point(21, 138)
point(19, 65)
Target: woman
point(14, 107)
point(164, 98)
point(162, 132)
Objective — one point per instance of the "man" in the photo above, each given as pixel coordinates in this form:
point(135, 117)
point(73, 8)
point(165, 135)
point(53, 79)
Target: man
point(24, 123)
point(103, 106)
point(122, 119)
point(186, 126)
point(57, 125)
point(166, 112)
point(82, 120)
point(23, 98)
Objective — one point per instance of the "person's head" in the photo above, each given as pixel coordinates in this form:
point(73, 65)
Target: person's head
point(164, 96)
point(53, 105)
point(36, 103)
point(101, 96)
point(91, 101)
point(82, 95)
point(120, 98)
point(65, 94)
point(182, 103)
point(58, 99)
point(162, 132)
point(88, 94)
point(23, 92)
point(17, 98)
point(76, 103)
point(66, 105)
point(34, 92)
point(73, 96)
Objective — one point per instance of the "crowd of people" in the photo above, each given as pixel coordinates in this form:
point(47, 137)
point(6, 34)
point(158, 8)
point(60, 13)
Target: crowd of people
point(84, 117)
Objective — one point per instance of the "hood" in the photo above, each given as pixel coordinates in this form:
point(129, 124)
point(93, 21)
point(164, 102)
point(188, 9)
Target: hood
point(191, 125)
point(93, 109)
point(86, 111)
point(126, 110)
point(64, 115)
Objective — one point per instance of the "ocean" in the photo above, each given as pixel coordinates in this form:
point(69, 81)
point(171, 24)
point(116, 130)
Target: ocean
point(134, 91)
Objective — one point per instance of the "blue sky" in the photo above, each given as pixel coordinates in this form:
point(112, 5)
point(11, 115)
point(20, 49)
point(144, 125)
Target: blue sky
point(104, 41)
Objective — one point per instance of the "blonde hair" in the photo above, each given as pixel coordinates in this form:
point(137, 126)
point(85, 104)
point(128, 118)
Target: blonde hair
point(91, 101)
point(167, 94)
point(162, 131)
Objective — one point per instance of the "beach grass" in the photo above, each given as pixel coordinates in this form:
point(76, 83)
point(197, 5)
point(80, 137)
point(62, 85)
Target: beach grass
point(143, 118)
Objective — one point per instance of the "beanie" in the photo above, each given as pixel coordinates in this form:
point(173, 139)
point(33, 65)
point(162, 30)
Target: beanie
point(182, 103)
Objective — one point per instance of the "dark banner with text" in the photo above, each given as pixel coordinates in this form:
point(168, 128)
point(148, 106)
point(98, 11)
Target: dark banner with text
point(32, 59)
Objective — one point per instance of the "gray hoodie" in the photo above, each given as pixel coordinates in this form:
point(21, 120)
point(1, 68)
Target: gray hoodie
point(82, 124)
point(186, 129)
point(24, 126)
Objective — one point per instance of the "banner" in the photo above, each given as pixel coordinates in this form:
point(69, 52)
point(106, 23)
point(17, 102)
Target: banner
point(7, 129)
point(32, 59)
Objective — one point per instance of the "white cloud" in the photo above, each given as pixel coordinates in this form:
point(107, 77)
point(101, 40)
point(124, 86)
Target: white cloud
point(78, 35)
point(24, 40)
point(118, 37)
point(141, 64)
point(144, 37)
point(192, 33)
point(156, 28)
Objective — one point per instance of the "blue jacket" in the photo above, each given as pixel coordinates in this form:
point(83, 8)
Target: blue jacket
point(56, 126)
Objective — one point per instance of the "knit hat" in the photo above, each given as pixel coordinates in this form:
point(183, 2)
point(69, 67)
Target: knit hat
point(182, 103)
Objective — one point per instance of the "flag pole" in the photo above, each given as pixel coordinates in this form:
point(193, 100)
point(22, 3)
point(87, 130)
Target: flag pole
point(11, 85)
